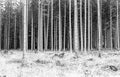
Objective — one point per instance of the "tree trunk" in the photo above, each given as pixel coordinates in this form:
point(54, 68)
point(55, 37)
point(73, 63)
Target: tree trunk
point(0, 27)
point(60, 26)
point(40, 26)
point(47, 28)
point(65, 25)
point(25, 27)
point(85, 47)
point(52, 25)
point(32, 39)
point(89, 26)
point(15, 33)
point(117, 32)
point(99, 24)
point(76, 34)
point(81, 25)
point(70, 30)
point(111, 45)
point(9, 22)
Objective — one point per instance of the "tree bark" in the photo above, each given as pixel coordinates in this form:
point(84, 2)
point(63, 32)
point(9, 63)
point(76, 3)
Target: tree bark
point(25, 27)
point(85, 47)
point(81, 25)
point(99, 24)
point(111, 45)
point(89, 26)
point(40, 26)
point(60, 26)
point(0, 27)
point(47, 27)
point(65, 25)
point(52, 25)
point(32, 39)
point(70, 30)
point(15, 33)
point(76, 34)
point(117, 33)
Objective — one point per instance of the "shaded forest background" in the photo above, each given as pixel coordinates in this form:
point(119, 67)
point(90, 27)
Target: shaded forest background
point(60, 15)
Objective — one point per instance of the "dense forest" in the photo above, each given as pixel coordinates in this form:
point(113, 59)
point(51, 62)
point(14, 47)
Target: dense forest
point(60, 25)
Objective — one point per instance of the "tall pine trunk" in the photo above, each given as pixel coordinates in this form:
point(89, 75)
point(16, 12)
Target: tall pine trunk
point(76, 34)
point(60, 26)
point(0, 27)
point(52, 25)
point(9, 24)
point(117, 32)
point(25, 28)
point(99, 24)
point(47, 27)
point(85, 8)
point(32, 39)
point(40, 26)
point(89, 26)
point(64, 25)
point(70, 30)
point(15, 33)
point(111, 45)
point(81, 25)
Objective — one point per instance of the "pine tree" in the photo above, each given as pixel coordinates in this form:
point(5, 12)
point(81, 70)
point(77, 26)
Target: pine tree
point(0, 26)
point(32, 29)
point(64, 25)
point(60, 31)
point(76, 34)
point(51, 24)
point(85, 20)
point(117, 33)
point(89, 26)
point(99, 24)
point(81, 25)
point(47, 26)
point(70, 30)
point(25, 27)
point(15, 33)
point(111, 45)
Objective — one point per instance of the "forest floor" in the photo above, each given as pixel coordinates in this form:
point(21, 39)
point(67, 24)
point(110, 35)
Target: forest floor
point(52, 64)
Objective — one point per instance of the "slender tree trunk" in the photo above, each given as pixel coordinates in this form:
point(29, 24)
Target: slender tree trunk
point(60, 26)
point(76, 34)
point(56, 34)
point(9, 22)
point(22, 30)
point(70, 30)
point(32, 39)
point(0, 27)
point(85, 47)
point(21, 27)
point(89, 26)
point(65, 26)
point(52, 25)
point(15, 33)
point(105, 39)
point(111, 45)
point(117, 33)
point(25, 27)
point(81, 25)
point(99, 25)
point(47, 28)
point(40, 26)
